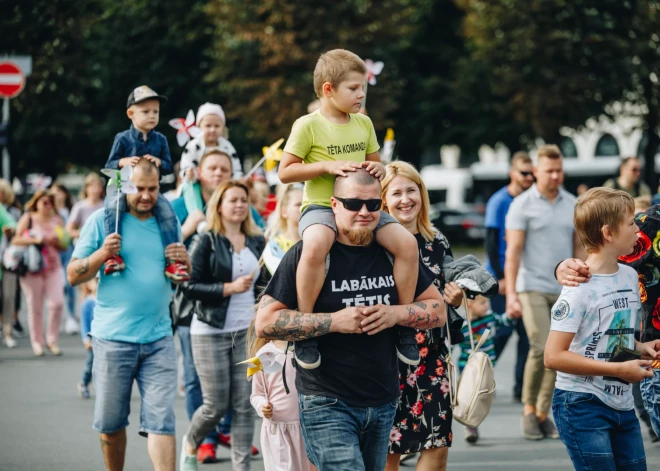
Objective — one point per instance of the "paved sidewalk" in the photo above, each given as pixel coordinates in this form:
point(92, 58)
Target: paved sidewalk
point(44, 426)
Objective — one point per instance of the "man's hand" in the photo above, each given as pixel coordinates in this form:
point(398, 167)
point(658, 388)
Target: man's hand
point(111, 245)
point(501, 287)
point(267, 410)
point(348, 320)
point(378, 318)
point(376, 169)
point(572, 272)
point(153, 159)
point(634, 371)
point(340, 167)
point(177, 252)
point(126, 161)
point(453, 294)
point(513, 306)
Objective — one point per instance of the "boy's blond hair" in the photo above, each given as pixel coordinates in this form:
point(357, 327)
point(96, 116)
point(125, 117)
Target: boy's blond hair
point(333, 66)
point(599, 207)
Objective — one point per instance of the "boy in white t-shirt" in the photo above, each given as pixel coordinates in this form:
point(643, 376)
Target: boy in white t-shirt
point(593, 401)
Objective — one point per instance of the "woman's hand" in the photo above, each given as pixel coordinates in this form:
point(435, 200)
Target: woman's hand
point(241, 284)
point(453, 294)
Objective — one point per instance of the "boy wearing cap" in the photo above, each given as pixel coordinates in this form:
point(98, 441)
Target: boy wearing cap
point(142, 141)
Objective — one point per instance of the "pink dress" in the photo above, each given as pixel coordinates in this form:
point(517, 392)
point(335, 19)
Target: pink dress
point(282, 443)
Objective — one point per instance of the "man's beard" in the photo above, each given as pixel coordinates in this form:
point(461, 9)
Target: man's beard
point(362, 236)
point(135, 209)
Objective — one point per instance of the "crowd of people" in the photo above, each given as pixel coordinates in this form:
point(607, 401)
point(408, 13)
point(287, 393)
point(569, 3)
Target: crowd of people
point(341, 299)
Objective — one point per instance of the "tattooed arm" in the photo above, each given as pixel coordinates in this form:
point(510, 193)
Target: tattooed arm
point(81, 270)
point(426, 312)
point(275, 321)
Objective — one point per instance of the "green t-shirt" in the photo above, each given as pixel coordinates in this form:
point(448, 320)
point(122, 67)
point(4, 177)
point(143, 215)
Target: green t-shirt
point(6, 220)
point(316, 139)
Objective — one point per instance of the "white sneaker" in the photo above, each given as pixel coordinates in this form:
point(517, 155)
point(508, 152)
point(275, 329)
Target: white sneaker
point(187, 462)
point(10, 342)
point(71, 326)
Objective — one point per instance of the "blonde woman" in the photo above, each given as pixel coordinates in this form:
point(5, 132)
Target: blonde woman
point(283, 233)
point(38, 226)
point(223, 286)
point(423, 418)
point(92, 195)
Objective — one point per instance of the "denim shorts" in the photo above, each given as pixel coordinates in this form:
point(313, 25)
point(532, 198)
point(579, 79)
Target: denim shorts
point(598, 437)
point(650, 389)
point(316, 214)
point(153, 366)
point(340, 437)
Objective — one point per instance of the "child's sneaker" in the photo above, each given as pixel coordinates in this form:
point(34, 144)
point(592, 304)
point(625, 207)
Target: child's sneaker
point(177, 272)
point(113, 265)
point(187, 462)
point(83, 391)
point(10, 342)
point(471, 434)
point(307, 356)
point(406, 347)
point(18, 330)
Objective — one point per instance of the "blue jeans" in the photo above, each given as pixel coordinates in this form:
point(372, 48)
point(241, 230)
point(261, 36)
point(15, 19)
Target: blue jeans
point(191, 384)
point(650, 388)
point(163, 212)
point(598, 437)
point(339, 437)
point(153, 366)
point(69, 292)
point(87, 370)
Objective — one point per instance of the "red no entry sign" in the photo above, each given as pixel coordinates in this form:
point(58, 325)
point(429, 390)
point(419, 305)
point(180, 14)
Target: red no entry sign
point(12, 79)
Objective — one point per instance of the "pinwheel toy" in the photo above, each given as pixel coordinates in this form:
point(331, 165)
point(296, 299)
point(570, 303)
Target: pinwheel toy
point(186, 128)
point(270, 153)
point(120, 182)
point(373, 69)
point(264, 362)
point(38, 181)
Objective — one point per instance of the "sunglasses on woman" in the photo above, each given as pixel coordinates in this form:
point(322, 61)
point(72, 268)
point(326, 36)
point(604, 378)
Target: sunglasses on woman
point(355, 204)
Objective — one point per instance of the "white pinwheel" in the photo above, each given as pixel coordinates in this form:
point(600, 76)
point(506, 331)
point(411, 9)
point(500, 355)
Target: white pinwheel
point(119, 182)
point(373, 69)
point(186, 128)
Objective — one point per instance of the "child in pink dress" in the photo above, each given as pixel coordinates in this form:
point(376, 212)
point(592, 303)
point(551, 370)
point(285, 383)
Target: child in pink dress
point(281, 437)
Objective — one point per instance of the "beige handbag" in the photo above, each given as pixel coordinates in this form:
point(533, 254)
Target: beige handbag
point(472, 395)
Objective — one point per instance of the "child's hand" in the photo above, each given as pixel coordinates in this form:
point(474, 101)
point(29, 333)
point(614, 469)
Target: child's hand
point(267, 410)
point(453, 294)
point(126, 161)
point(340, 167)
point(634, 371)
point(153, 159)
point(88, 345)
point(375, 168)
point(649, 350)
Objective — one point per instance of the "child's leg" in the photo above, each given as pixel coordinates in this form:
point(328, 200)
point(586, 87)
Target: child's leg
point(167, 221)
point(403, 246)
point(87, 370)
point(317, 241)
point(192, 196)
point(627, 443)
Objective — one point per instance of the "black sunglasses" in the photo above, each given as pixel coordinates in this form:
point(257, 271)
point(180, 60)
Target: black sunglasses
point(355, 204)
point(525, 174)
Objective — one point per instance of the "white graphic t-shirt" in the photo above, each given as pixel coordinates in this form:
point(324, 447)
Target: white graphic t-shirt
point(602, 313)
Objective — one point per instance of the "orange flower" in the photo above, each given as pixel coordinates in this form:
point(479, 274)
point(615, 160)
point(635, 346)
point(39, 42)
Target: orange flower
point(642, 289)
point(420, 337)
point(423, 352)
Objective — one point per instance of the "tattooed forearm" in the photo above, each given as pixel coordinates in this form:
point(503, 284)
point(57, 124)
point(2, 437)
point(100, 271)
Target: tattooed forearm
point(294, 325)
point(82, 267)
point(435, 305)
point(420, 304)
point(266, 301)
point(418, 317)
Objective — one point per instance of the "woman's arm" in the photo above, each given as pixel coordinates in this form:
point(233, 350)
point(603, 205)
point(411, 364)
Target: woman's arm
point(20, 238)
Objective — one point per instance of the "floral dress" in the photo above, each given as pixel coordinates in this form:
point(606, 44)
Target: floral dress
point(423, 418)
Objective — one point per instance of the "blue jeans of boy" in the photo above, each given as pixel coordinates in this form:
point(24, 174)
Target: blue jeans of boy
point(163, 212)
point(650, 388)
point(339, 437)
point(598, 437)
point(87, 369)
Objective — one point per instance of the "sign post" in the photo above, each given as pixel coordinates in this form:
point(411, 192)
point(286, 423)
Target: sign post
point(12, 82)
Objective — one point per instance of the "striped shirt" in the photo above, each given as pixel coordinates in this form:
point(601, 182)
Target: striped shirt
point(490, 321)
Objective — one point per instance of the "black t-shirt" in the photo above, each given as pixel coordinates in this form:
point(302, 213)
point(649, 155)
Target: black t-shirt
point(358, 369)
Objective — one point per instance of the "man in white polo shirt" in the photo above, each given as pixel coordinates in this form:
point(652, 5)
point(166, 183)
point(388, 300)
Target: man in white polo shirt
point(539, 234)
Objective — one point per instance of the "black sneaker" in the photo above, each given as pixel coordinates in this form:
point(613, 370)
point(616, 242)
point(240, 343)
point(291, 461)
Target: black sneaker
point(307, 357)
point(406, 347)
point(18, 330)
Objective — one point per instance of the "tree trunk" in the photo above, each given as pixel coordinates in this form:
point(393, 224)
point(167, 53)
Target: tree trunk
point(651, 149)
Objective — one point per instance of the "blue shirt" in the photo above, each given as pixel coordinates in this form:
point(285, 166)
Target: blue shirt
point(134, 305)
point(87, 316)
point(496, 209)
point(131, 143)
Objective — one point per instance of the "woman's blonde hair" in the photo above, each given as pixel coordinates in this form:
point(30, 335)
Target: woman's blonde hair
point(214, 219)
point(31, 205)
point(281, 224)
point(89, 179)
point(406, 170)
point(7, 192)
